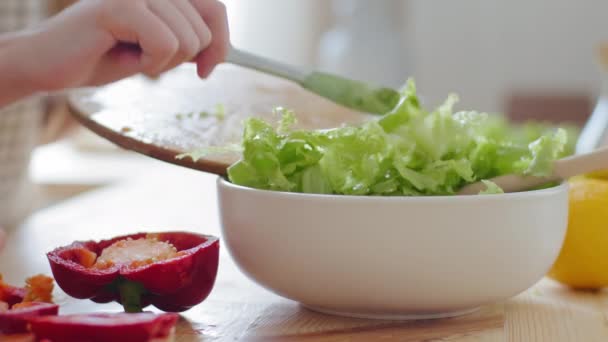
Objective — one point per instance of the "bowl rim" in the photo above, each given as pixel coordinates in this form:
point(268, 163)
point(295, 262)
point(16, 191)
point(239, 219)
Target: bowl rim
point(223, 183)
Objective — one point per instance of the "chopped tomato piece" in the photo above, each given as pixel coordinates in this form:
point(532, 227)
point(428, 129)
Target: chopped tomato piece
point(39, 288)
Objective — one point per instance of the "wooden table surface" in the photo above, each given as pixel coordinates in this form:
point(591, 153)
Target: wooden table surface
point(154, 196)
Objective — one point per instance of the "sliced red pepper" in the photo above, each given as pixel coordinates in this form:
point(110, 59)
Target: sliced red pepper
point(11, 294)
point(15, 321)
point(172, 285)
point(140, 327)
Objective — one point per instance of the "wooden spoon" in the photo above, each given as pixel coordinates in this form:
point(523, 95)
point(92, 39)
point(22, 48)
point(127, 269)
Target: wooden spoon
point(563, 169)
point(178, 113)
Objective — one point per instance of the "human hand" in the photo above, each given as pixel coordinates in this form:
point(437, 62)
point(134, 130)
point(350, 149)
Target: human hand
point(100, 41)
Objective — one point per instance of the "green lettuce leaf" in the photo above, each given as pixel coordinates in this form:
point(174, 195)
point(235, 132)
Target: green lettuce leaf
point(409, 151)
point(491, 188)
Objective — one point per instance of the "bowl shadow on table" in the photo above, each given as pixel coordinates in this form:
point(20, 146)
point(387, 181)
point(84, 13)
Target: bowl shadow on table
point(294, 322)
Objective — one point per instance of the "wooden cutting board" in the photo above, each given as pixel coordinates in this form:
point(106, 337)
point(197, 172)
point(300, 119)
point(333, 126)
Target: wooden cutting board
point(179, 112)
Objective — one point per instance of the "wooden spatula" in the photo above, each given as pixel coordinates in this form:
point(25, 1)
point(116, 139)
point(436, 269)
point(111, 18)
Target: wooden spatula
point(563, 169)
point(180, 113)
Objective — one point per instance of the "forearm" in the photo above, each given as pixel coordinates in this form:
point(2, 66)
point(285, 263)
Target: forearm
point(14, 80)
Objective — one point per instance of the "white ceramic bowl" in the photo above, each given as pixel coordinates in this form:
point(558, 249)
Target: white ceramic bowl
point(393, 258)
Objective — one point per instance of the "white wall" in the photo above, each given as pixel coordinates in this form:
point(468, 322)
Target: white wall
point(286, 30)
point(481, 49)
point(484, 49)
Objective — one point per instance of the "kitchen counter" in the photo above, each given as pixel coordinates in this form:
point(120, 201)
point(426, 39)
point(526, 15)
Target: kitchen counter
point(143, 194)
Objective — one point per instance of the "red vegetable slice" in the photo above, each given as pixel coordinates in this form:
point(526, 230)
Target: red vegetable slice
point(101, 327)
point(11, 294)
point(15, 321)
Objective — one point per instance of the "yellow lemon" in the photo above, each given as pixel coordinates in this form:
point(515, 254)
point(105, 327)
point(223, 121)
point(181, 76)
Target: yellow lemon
point(599, 174)
point(583, 260)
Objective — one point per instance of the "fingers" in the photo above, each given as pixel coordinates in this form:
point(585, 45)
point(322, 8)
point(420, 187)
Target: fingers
point(137, 24)
point(168, 32)
point(196, 21)
point(214, 14)
point(191, 32)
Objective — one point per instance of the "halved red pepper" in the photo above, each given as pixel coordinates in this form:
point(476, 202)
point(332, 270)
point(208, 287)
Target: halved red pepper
point(139, 327)
point(16, 320)
point(172, 285)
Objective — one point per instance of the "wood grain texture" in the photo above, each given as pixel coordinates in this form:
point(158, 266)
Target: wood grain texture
point(176, 113)
point(169, 198)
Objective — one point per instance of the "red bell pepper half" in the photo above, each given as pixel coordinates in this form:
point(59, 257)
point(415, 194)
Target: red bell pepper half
point(16, 320)
point(174, 284)
point(139, 327)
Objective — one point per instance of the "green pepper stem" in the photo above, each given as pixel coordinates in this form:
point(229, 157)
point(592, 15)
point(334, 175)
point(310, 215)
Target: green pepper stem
point(130, 296)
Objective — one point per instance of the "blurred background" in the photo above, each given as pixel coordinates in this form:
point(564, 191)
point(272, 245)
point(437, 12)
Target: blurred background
point(528, 59)
point(524, 58)
point(534, 58)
